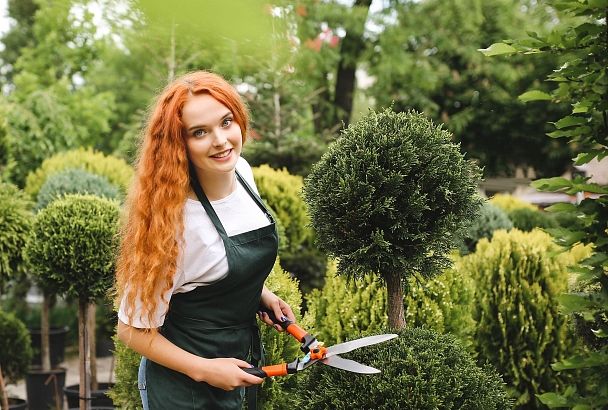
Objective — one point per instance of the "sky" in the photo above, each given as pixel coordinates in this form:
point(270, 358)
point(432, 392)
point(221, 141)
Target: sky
point(3, 19)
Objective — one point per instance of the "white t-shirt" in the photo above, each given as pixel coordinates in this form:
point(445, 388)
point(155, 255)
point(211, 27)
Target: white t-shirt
point(202, 261)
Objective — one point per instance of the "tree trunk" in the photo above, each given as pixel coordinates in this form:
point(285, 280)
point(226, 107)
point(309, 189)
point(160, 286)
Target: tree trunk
point(92, 345)
point(84, 356)
point(3, 392)
point(396, 316)
point(45, 351)
point(350, 51)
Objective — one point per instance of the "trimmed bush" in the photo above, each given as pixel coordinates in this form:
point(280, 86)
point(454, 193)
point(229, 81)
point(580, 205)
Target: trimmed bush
point(15, 222)
point(526, 219)
point(509, 203)
point(73, 243)
point(345, 308)
point(388, 196)
point(15, 347)
point(490, 219)
point(75, 181)
point(519, 276)
point(420, 370)
point(124, 392)
point(116, 170)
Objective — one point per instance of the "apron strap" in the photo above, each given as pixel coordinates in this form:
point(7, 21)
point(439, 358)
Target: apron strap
point(256, 358)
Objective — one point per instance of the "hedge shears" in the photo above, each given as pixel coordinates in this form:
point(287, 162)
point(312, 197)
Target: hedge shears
point(315, 352)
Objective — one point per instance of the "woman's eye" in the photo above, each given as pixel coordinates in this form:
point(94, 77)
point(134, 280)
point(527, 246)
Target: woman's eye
point(227, 122)
point(199, 133)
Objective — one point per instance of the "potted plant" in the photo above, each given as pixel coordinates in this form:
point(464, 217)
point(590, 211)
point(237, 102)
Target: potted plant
point(73, 243)
point(15, 356)
point(389, 197)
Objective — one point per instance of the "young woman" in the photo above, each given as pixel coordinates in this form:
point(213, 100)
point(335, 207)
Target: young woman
point(197, 246)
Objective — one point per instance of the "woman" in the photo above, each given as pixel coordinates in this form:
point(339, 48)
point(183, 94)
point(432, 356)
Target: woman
point(197, 246)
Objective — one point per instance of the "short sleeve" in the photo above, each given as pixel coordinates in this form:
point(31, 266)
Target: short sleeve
point(143, 322)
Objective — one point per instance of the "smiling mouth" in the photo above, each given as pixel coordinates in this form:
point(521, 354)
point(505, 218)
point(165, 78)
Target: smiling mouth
point(222, 154)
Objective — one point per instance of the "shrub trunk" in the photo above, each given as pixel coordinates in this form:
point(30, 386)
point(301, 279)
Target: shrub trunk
point(396, 316)
point(84, 355)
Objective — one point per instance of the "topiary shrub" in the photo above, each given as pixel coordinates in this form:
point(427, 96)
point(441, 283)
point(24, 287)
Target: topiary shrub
point(526, 219)
point(509, 203)
point(15, 351)
point(125, 393)
point(518, 277)
point(387, 197)
point(345, 308)
point(15, 222)
point(490, 219)
point(421, 369)
point(116, 170)
point(75, 181)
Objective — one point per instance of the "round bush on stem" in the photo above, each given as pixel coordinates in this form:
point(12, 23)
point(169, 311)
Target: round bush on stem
point(421, 369)
point(388, 196)
point(15, 347)
point(75, 181)
point(15, 222)
point(72, 245)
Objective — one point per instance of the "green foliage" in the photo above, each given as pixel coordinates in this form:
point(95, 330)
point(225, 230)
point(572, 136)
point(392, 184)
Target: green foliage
point(490, 219)
point(526, 219)
point(124, 392)
point(389, 193)
point(308, 265)
point(15, 222)
point(345, 308)
point(72, 246)
point(116, 170)
point(15, 347)
point(421, 369)
point(280, 347)
point(509, 203)
point(75, 181)
point(519, 276)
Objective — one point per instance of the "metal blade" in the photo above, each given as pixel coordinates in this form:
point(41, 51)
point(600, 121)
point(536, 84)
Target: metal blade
point(350, 365)
point(357, 343)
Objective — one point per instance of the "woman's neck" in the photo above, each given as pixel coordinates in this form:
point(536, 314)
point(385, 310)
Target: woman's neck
point(217, 186)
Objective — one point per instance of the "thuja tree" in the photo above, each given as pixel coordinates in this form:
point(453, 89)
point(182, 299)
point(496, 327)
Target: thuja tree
point(72, 246)
point(388, 198)
point(582, 82)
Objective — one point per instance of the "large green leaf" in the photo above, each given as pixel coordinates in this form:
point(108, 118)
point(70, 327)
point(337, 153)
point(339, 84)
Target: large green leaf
point(591, 359)
point(551, 184)
point(561, 207)
point(570, 121)
point(497, 49)
point(534, 95)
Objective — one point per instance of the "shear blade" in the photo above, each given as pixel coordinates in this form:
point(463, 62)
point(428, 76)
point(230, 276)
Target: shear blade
point(357, 343)
point(349, 365)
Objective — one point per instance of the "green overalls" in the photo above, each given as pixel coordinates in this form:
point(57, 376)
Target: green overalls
point(216, 320)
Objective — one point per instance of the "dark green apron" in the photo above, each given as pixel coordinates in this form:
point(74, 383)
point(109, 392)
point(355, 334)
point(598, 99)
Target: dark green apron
point(216, 320)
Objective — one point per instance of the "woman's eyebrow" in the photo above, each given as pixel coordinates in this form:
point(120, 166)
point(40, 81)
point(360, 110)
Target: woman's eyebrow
point(228, 114)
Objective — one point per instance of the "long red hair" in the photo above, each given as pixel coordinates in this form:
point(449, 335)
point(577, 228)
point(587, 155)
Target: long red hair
point(152, 228)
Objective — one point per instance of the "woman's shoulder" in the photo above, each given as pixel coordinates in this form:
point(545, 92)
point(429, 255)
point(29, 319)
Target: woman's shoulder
point(243, 167)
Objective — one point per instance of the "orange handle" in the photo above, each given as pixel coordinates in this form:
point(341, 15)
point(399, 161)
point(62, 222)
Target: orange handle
point(268, 371)
point(297, 332)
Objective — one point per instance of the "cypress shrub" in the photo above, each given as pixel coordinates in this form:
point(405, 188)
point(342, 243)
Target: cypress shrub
point(421, 369)
point(490, 219)
point(15, 222)
point(387, 197)
point(519, 276)
point(125, 393)
point(15, 347)
point(345, 308)
point(509, 203)
point(116, 170)
point(75, 181)
point(526, 219)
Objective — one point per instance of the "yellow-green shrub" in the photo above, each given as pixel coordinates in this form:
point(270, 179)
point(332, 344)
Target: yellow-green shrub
point(116, 170)
point(518, 277)
point(509, 203)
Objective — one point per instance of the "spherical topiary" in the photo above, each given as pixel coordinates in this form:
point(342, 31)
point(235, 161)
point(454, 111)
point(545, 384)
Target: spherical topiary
point(15, 347)
point(73, 243)
point(75, 181)
point(388, 197)
point(526, 219)
point(490, 219)
point(421, 369)
point(15, 221)
point(116, 170)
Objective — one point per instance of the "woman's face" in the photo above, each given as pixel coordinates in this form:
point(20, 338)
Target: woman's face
point(213, 139)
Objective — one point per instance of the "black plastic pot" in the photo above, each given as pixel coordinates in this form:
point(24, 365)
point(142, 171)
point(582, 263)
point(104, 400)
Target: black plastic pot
point(57, 345)
point(17, 404)
point(45, 389)
point(99, 397)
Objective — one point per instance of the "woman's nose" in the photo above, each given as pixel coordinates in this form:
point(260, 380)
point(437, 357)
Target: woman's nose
point(220, 138)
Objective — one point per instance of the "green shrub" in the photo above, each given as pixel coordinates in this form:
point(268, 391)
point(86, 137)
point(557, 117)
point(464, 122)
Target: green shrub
point(420, 370)
point(509, 203)
point(75, 181)
point(72, 245)
point(15, 347)
point(491, 218)
point(308, 265)
point(125, 393)
point(116, 170)
point(526, 219)
point(15, 222)
point(345, 308)
point(518, 277)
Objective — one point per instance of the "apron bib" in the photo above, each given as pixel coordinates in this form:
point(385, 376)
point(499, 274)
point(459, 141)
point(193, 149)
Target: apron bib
point(216, 320)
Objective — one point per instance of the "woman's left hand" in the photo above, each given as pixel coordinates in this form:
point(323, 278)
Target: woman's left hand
point(274, 303)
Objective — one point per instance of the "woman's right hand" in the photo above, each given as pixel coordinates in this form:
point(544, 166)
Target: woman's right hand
point(226, 373)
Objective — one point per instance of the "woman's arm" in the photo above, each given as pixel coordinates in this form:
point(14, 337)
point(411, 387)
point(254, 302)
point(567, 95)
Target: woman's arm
point(225, 373)
point(280, 308)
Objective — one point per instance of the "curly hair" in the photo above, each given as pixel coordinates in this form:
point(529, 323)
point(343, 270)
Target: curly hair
point(152, 226)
